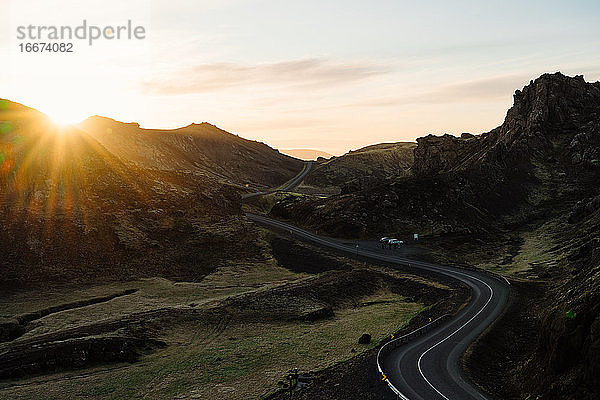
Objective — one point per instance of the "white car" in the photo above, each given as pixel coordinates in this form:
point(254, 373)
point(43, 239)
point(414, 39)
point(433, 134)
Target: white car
point(384, 239)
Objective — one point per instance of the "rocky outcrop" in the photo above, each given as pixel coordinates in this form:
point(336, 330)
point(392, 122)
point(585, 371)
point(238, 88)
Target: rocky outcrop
point(436, 154)
point(554, 113)
point(549, 105)
point(584, 208)
point(72, 354)
point(585, 146)
point(375, 163)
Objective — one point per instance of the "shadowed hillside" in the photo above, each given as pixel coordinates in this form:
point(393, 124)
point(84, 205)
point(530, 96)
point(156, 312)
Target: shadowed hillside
point(109, 201)
point(459, 185)
point(196, 147)
point(360, 169)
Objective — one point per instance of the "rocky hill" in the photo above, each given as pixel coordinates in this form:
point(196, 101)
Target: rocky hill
point(461, 184)
point(363, 167)
point(109, 201)
point(196, 147)
point(554, 116)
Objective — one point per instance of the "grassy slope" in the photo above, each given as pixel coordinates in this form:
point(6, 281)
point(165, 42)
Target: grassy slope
point(379, 161)
point(197, 147)
point(554, 268)
point(204, 359)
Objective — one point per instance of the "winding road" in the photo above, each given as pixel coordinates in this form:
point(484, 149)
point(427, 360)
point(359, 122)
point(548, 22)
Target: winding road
point(425, 366)
point(287, 186)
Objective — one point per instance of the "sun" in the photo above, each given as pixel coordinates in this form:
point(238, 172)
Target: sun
point(62, 123)
point(63, 119)
point(64, 114)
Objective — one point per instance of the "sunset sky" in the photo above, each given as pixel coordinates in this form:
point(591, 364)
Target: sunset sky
point(328, 75)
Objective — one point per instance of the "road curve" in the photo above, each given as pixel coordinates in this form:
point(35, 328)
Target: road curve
point(294, 182)
point(287, 186)
point(428, 366)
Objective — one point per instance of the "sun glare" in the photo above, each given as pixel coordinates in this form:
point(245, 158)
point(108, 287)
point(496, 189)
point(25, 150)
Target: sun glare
point(63, 114)
point(63, 120)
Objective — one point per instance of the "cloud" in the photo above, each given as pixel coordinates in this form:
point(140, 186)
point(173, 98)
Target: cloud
point(494, 88)
point(303, 73)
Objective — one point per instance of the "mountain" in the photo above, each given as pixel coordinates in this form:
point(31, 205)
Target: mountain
point(196, 147)
point(107, 201)
point(522, 199)
point(363, 167)
point(554, 112)
point(461, 184)
point(306, 154)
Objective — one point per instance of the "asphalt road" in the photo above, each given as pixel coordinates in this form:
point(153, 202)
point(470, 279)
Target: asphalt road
point(288, 186)
point(427, 367)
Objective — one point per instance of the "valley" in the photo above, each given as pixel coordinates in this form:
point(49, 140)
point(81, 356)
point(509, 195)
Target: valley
point(193, 263)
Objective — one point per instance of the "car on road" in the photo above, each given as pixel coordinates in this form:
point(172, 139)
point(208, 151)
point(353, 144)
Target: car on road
point(390, 242)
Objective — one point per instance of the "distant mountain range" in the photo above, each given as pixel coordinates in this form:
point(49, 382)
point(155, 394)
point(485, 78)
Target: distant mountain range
point(306, 154)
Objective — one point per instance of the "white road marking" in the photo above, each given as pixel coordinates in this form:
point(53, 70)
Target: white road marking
point(397, 259)
point(453, 333)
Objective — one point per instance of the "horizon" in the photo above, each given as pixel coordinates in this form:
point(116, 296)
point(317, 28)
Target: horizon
point(286, 151)
point(331, 88)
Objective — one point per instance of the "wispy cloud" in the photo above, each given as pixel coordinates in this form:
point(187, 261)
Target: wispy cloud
point(307, 73)
point(488, 89)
